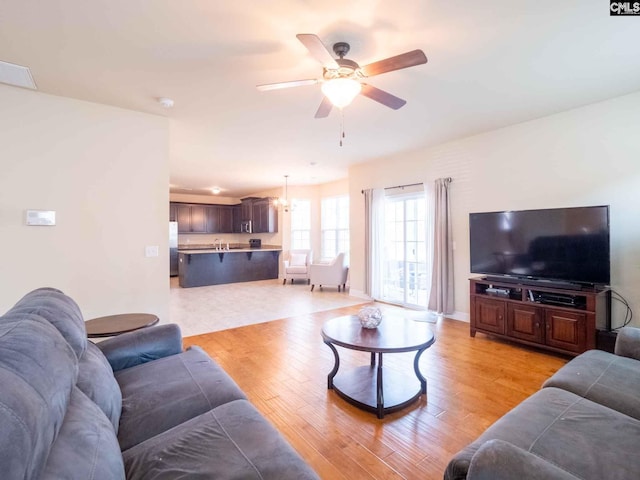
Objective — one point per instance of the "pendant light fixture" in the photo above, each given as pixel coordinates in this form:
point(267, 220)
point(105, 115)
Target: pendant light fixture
point(284, 201)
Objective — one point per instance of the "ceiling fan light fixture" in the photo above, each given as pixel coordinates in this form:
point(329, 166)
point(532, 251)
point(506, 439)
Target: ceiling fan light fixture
point(341, 91)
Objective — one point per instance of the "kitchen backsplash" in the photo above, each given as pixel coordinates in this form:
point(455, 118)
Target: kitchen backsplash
point(208, 239)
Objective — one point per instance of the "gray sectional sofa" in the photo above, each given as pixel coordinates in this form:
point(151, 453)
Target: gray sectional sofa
point(583, 424)
point(134, 406)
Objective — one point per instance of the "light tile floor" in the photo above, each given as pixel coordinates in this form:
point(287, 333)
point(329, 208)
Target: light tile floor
point(201, 310)
point(218, 307)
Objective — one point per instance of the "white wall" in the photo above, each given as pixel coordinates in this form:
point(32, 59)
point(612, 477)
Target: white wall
point(105, 171)
point(586, 156)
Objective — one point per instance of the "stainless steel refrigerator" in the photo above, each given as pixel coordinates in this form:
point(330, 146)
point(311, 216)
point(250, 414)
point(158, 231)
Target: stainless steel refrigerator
point(173, 249)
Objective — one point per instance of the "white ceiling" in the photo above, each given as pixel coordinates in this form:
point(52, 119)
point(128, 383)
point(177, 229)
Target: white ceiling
point(492, 63)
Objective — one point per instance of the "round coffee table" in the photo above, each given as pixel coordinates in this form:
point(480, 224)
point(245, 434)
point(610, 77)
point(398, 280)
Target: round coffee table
point(373, 388)
point(112, 325)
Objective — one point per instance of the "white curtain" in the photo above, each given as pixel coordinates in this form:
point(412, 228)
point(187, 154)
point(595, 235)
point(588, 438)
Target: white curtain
point(368, 245)
point(374, 241)
point(429, 226)
point(441, 296)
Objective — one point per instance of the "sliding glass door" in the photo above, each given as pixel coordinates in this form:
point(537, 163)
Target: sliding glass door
point(404, 268)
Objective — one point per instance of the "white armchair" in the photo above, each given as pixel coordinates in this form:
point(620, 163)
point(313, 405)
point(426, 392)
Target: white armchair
point(333, 273)
point(297, 265)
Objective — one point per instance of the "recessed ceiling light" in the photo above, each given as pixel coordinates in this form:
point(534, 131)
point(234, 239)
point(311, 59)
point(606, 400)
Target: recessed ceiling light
point(215, 190)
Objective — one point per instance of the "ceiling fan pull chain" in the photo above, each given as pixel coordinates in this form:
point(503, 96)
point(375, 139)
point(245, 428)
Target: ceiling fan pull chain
point(341, 125)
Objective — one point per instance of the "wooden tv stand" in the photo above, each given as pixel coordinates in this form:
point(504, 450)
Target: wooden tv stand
point(556, 319)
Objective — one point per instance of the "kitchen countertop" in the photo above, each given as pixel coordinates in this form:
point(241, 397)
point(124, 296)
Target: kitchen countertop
point(197, 249)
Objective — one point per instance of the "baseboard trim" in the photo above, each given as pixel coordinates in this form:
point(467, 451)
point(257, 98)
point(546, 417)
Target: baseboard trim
point(359, 294)
point(461, 316)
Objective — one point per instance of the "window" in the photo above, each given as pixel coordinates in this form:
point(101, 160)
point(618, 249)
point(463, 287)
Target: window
point(301, 224)
point(335, 227)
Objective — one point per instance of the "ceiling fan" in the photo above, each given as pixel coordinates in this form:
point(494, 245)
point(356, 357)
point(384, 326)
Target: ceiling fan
point(342, 79)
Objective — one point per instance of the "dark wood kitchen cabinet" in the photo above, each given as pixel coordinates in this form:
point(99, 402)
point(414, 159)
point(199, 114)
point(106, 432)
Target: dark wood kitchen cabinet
point(205, 218)
point(226, 219)
point(198, 219)
point(246, 209)
point(236, 215)
point(202, 218)
point(219, 219)
point(191, 218)
point(262, 214)
point(183, 217)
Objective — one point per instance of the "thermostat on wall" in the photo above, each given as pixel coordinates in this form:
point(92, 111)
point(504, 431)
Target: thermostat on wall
point(41, 217)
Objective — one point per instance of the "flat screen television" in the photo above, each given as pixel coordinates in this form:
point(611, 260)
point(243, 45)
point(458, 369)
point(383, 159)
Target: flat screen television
point(566, 246)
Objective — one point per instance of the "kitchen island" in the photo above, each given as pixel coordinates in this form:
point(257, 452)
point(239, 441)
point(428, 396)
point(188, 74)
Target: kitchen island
point(198, 267)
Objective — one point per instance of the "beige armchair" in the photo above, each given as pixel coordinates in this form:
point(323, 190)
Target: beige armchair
point(296, 267)
point(333, 273)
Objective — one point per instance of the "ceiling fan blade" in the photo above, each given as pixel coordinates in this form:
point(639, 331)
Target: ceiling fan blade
point(404, 60)
point(382, 97)
point(324, 109)
point(293, 83)
point(317, 49)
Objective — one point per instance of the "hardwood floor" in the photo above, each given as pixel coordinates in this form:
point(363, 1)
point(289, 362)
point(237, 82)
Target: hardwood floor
point(282, 366)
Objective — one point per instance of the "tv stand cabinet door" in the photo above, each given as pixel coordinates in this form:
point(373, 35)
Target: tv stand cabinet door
point(525, 322)
point(566, 330)
point(490, 315)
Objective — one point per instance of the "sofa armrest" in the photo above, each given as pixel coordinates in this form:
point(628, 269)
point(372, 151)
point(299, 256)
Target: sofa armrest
point(141, 346)
point(500, 460)
point(628, 343)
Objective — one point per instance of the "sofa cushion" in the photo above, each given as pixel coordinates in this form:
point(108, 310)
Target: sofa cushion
point(141, 346)
point(159, 395)
point(61, 311)
point(231, 441)
point(603, 378)
point(581, 437)
point(498, 460)
point(96, 380)
point(86, 447)
point(298, 260)
point(38, 369)
point(628, 342)
point(297, 270)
